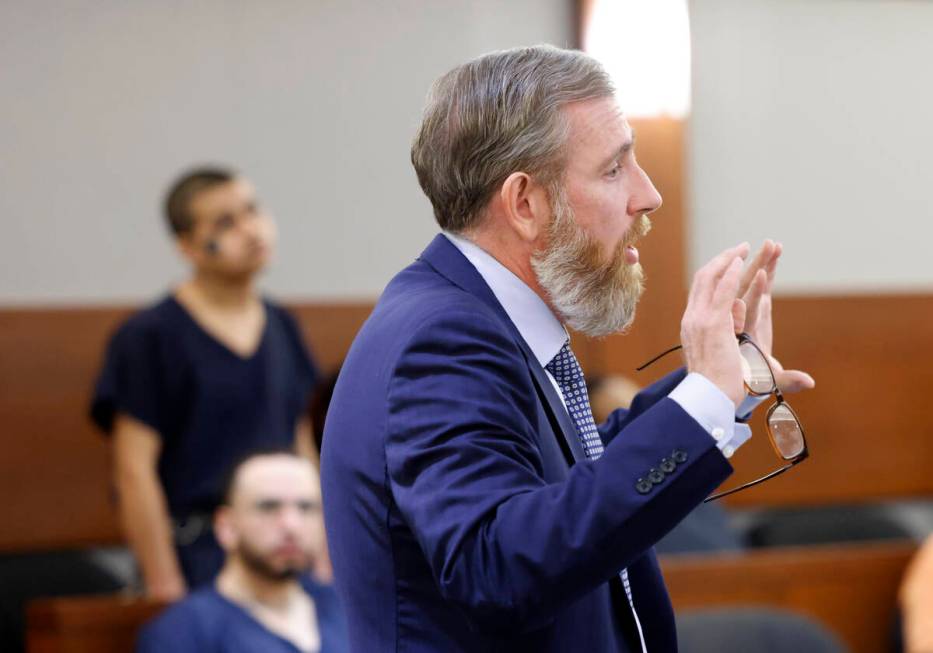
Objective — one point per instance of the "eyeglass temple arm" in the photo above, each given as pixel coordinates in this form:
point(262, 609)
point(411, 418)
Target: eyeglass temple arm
point(659, 357)
point(777, 472)
point(742, 337)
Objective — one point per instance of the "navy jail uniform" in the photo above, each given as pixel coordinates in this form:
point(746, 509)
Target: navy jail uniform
point(209, 405)
point(208, 622)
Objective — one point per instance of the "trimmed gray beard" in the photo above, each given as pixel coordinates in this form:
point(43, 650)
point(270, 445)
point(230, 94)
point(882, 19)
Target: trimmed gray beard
point(591, 295)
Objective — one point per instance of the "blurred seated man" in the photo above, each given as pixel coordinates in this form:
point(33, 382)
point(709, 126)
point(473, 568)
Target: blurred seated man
point(208, 373)
point(916, 598)
point(266, 598)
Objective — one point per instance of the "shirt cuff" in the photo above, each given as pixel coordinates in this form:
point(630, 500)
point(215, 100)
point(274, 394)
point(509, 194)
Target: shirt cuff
point(748, 405)
point(713, 410)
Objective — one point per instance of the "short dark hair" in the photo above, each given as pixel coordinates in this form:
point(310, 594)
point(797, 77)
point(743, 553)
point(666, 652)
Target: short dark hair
point(252, 454)
point(188, 186)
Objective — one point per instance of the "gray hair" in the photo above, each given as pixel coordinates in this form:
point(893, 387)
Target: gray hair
point(495, 115)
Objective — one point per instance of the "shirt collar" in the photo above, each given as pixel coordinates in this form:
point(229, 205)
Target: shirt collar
point(535, 322)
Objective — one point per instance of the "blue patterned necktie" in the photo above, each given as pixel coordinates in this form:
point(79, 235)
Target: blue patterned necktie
point(566, 370)
point(569, 376)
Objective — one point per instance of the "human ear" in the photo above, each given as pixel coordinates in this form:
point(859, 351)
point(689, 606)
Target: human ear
point(525, 206)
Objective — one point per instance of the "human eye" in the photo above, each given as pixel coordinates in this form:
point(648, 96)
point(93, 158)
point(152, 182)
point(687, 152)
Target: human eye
point(614, 171)
point(309, 506)
point(224, 222)
point(268, 506)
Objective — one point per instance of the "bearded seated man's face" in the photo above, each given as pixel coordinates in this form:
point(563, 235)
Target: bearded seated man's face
point(274, 521)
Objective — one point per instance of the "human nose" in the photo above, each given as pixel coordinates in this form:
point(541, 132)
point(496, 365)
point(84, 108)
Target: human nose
point(248, 226)
point(646, 197)
point(291, 519)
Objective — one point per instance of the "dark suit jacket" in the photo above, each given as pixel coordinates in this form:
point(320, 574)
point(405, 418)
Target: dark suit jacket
point(462, 514)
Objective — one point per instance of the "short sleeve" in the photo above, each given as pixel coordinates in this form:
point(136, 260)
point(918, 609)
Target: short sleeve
point(129, 381)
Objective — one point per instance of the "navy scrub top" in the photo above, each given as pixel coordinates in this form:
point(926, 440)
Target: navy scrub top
point(209, 405)
point(208, 622)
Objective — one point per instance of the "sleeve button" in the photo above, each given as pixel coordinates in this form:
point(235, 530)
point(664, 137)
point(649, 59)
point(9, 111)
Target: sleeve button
point(643, 486)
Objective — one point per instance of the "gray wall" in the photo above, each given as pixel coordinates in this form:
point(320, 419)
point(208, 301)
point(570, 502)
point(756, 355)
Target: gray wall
point(812, 124)
point(102, 102)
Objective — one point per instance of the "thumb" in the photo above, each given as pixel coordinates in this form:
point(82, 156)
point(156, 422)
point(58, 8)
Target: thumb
point(795, 381)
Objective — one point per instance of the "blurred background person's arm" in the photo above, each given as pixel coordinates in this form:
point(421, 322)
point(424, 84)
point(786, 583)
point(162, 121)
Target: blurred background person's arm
point(143, 508)
point(916, 598)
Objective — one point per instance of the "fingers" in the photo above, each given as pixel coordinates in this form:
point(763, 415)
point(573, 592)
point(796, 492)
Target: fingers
point(707, 278)
point(771, 268)
point(738, 315)
point(761, 261)
point(754, 296)
point(725, 290)
point(755, 289)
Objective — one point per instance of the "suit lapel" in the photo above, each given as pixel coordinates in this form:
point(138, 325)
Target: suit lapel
point(447, 260)
point(560, 419)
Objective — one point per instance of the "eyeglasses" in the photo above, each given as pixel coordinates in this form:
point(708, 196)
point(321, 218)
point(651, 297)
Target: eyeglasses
point(784, 429)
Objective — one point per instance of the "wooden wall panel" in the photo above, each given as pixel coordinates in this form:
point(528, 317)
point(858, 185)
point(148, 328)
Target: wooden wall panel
point(868, 422)
point(54, 468)
point(330, 328)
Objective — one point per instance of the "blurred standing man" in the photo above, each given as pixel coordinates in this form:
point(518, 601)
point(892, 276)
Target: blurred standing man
point(190, 384)
point(264, 600)
point(472, 504)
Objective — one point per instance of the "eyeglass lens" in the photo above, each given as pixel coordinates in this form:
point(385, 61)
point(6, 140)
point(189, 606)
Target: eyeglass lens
point(755, 370)
point(785, 430)
point(786, 433)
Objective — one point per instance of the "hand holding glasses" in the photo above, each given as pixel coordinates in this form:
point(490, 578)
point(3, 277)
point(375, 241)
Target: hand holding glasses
point(784, 429)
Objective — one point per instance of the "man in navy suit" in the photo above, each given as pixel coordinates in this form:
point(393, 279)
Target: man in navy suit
point(472, 503)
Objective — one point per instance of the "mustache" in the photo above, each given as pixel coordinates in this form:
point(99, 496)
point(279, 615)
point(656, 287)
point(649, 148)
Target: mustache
point(639, 229)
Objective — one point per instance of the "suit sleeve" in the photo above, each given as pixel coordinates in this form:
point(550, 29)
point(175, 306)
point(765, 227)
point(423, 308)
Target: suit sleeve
point(465, 471)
